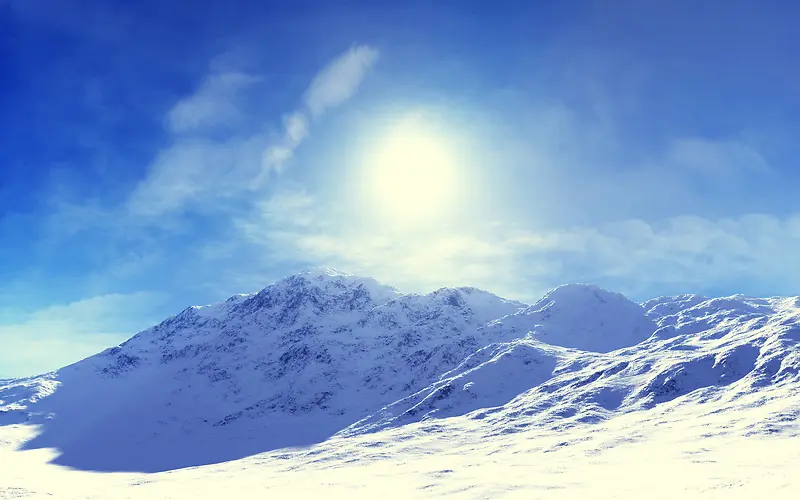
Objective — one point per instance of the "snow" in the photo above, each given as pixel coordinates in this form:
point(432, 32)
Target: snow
point(650, 454)
point(328, 383)
point(582, 317)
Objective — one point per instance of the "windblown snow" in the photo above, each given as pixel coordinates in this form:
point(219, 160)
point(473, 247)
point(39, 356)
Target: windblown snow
point(328, 383)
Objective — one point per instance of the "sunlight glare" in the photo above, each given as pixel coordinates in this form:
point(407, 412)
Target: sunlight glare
point(412, 175)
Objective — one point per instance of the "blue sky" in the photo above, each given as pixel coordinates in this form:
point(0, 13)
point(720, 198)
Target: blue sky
point(155, 155)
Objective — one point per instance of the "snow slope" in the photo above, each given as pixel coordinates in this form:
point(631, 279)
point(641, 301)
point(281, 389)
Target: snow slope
point(685, 451)
point(335, 383)
point(731, 348)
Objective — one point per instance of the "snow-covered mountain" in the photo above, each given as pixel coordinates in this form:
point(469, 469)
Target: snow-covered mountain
point(321, 355)
point(288, 366)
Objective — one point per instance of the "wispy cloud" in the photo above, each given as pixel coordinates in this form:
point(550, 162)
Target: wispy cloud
point(332, 86)
point(679, 254)
point(278, 155)
point(717, 157)
point(194, 170)
point(292, 207)
point(199, 167)
point(214, 103)
point(339, 80)
point(57, 335)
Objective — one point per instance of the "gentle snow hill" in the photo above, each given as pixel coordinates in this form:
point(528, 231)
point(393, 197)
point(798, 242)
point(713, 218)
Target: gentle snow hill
point(318, 354)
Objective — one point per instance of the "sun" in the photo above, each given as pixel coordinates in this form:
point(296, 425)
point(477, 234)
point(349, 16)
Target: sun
point(412, 174)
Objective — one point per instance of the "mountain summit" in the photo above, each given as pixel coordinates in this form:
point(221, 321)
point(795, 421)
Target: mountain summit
point(583, 317)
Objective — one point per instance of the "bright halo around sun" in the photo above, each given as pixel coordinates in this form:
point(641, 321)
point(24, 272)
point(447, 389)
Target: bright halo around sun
point(412, 175)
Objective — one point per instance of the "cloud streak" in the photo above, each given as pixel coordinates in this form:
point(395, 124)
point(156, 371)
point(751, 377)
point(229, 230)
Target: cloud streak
point(334, 84)
point(340, 79)
point(198, 167)
point(214, 104)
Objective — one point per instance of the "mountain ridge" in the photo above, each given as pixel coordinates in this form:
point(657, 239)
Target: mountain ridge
point(319, 355)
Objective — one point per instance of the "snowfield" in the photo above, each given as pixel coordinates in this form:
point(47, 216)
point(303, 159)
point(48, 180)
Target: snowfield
point(332, 384)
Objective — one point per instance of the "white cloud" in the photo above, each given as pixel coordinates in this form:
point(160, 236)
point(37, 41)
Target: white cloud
point(287, 207)
point(679, 254)
point(58, 335)
point(278, 155)
point(213, 104)
point(290, 226)
point(332, 86)
point(193, 170)
point(339, 80)
point(197, 168)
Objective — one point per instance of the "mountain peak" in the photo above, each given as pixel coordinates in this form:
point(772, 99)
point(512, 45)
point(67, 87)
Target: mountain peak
point(580, 293)
point(582, 316)
point(315, 292)
point(333, 281)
